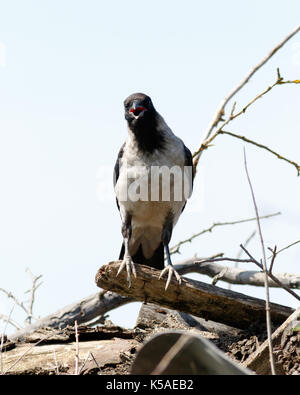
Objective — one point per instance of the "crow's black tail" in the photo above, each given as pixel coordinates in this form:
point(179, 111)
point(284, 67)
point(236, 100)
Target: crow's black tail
point(156, 261)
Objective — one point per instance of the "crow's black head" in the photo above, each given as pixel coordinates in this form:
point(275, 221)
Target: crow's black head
point(138, 106)
point(142, 121)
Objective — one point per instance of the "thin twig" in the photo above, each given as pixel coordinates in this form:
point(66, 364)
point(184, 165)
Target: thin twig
point(95, 361)
point(84, 363)
point(245, 244)
point(32, 291)
point(285, 248)
point(271, 275)
point(206, 143)
point(232, 116)
point(77, 349)
point(279, 156)
point(175, 249)
point(268, 314)
point(210, 260)
point(56, 364)
point(26, 352)
point(274, 252)
point(2, 338)
point(171, 354)
point(10, 321)
point(15, 299)
point(250, 260)
point(219, 276)
point(241, 251)
point(34, 287)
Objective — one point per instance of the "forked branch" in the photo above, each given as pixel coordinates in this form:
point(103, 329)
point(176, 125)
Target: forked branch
point(221, 110)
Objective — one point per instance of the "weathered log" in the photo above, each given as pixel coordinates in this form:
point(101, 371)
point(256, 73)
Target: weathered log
point(192, 297)
point(54, 352)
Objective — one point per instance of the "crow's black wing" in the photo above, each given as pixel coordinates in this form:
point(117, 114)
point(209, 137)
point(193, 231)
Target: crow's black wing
point(189, 162)
point(117, 169)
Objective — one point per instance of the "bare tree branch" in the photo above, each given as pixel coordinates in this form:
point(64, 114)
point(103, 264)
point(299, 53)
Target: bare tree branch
point(221, 110)
point(279, 156)
point(264, 259)
point(10, 321)
point(206, 143)
point(270, 274)
point(34, 287)
point(285, 248)
point(15, 299)
point(233, 275)
point(27, 310)
point(274, 252)
point(175, 249)
point(83, 311)
point(241, 251)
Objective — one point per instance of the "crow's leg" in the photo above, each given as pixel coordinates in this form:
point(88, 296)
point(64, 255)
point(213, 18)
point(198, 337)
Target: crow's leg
point(166, 237)
point(169, 269)
point(127, 260)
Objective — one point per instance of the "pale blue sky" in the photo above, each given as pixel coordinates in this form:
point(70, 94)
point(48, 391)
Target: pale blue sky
point(67, 67)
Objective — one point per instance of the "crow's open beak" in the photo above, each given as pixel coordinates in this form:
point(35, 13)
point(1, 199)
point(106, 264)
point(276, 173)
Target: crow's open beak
point(137, 109)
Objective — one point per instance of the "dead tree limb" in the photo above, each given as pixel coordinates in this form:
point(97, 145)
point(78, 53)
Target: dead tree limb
point(192, 297)
point(253, 260)
point(83, 311)
point(234, 275)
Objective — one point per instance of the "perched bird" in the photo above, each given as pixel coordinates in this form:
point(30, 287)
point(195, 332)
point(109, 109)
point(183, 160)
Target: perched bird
point(152, 162)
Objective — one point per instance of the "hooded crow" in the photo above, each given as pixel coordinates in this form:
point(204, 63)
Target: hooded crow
point(153, 178)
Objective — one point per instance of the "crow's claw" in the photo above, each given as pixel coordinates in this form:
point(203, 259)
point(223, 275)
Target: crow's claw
point(130, 268)
point(171, 272)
